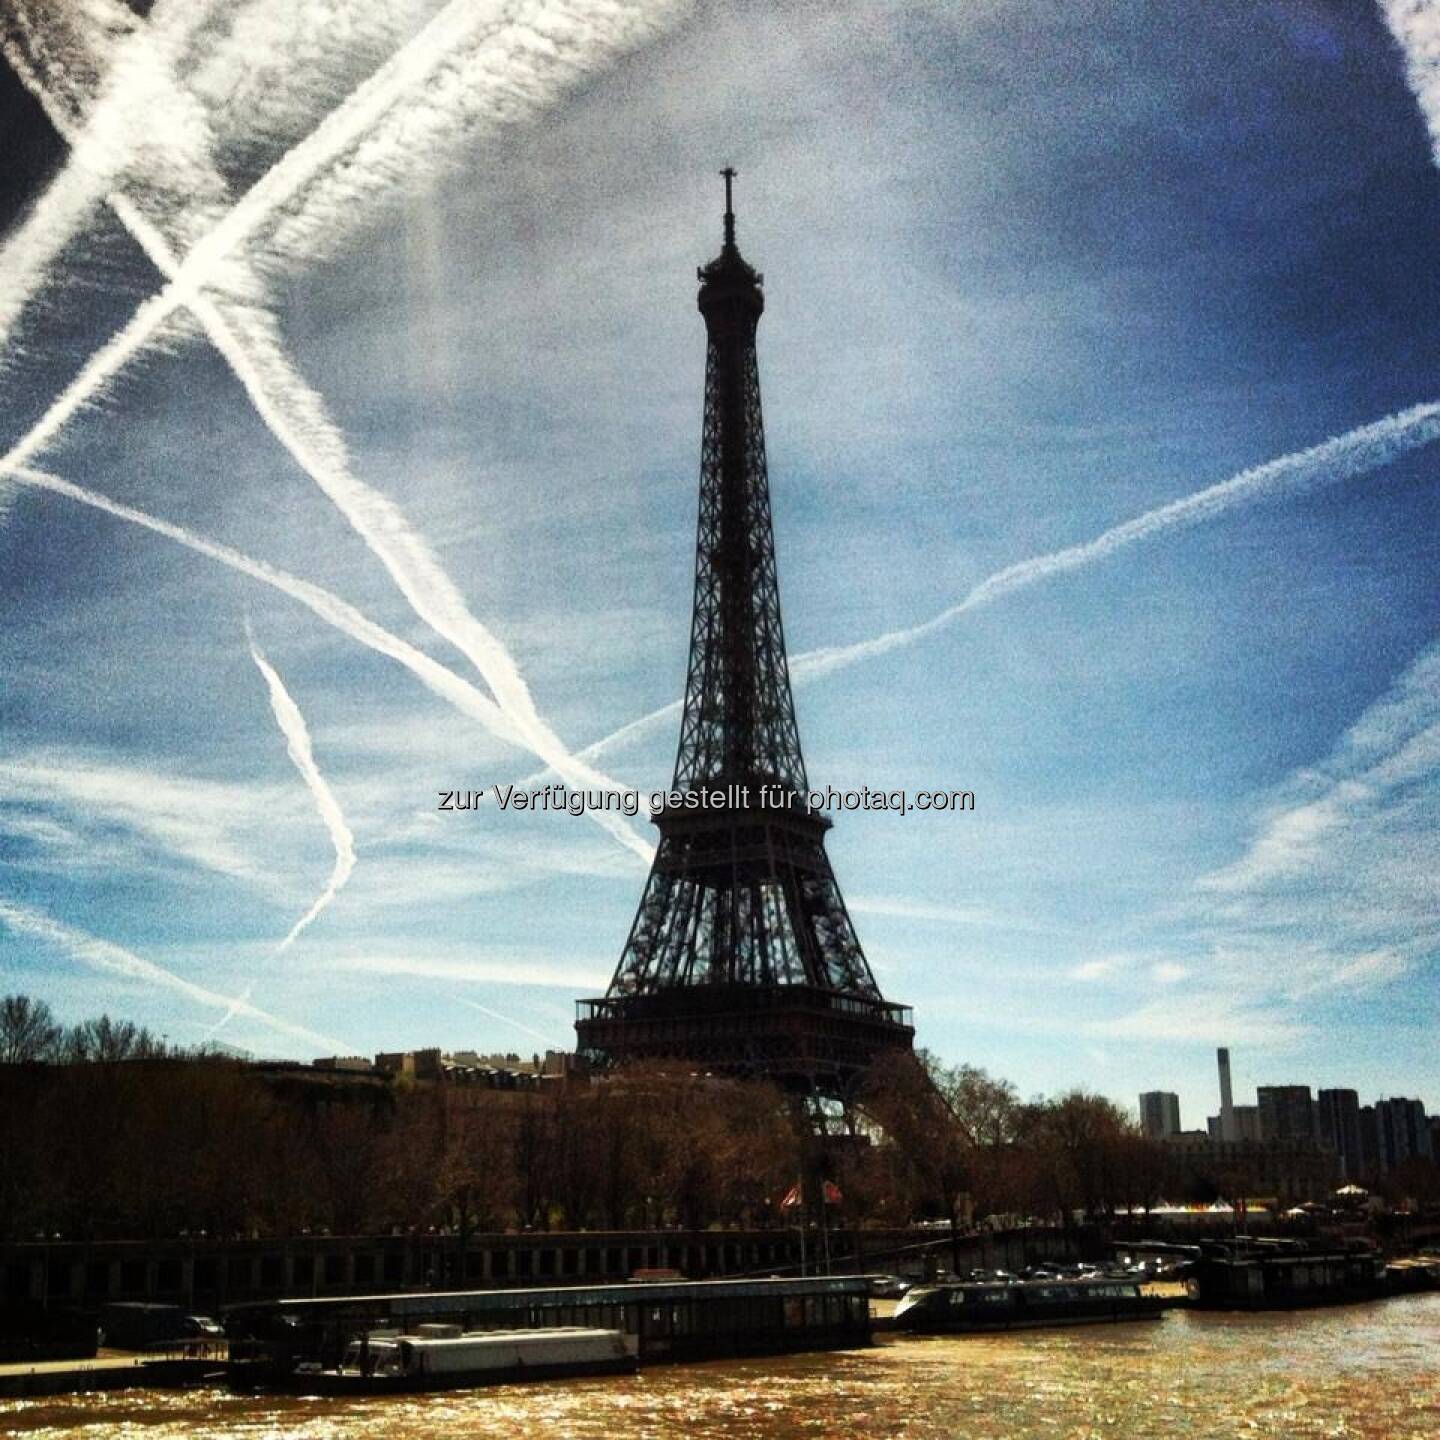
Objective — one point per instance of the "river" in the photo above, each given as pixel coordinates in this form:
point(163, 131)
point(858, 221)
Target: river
point(1364, 1372)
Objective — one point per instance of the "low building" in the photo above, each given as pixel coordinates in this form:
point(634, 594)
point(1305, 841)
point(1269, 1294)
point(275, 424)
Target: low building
point(419, 1064)
point(1291, 1170)
point(514, 1072)
point(1245, 1119)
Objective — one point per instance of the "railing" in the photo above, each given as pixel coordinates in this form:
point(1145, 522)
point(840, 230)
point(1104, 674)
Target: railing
point(188, 1349)
point(713, 999)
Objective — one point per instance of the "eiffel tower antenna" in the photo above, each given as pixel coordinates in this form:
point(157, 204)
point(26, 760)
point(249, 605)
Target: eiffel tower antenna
point(742, 957)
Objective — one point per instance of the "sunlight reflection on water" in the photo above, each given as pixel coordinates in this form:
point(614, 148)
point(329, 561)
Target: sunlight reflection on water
point(1369, 1372)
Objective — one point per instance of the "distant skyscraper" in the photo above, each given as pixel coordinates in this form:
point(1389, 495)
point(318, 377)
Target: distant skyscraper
point(1286, 1112)
point(1337, 1113)
point(1159, 1114)
point(1403, 1132)
point(1370, 1164)
point(1227, 1099)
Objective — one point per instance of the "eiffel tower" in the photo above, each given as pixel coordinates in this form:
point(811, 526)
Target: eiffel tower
point(742, 958)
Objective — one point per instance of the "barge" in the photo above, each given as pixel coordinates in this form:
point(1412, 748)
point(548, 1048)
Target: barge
point(1023, 1304)
point(387, 1363)
point(1275, 1274)
point(274, 1343)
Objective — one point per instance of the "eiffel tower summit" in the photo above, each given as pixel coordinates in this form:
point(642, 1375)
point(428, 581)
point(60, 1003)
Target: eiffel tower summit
point(742, 957)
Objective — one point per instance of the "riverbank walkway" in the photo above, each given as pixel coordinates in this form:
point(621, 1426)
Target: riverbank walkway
point(109, 1370)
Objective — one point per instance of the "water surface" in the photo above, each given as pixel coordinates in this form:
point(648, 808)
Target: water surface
point(1364, 1372)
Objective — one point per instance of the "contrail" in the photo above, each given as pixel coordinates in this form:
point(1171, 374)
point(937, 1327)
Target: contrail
point(102, 76)
point(1342, 457)
point(270, 67)
point(633, 731)
point(616, 739)
point(295, 414)
point(297, 743)
point(104, 955)
point(328, 607)
point(109, 83)
point(486, 81)
point(405, 72)
point(230, 1014)
point(547, 1040)
point(65, 204)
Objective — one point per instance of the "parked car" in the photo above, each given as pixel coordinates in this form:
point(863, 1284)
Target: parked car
point(135, 1325)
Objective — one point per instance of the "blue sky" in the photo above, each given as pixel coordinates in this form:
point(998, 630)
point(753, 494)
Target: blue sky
point(1028, 277)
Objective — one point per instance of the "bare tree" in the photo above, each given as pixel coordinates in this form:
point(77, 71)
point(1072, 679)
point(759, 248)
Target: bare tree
point(473, 1173)
point(107, 1041)
point(29, 1032)
point(1083, 1146)
point(910, 1098)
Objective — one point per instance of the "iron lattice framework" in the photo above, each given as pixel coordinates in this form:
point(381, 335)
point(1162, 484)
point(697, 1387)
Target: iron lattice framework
point(742, 956)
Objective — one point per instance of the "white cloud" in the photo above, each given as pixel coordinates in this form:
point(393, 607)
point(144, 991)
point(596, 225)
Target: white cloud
point(1335, 890)
point(1201, 1018)
point(216, 825)
point(1101, 968)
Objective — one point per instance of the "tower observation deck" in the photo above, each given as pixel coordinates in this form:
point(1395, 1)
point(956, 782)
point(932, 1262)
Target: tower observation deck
point(742, 957)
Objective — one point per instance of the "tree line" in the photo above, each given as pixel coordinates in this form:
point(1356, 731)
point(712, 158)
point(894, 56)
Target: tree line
point(31, 1035)
point(108, 1133)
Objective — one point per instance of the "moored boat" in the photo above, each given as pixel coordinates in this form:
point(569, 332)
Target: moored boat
point(1023, 1304)
point(1266, 1274)
point(1412, 1275)
point(386, 1363)
point(680, 1320)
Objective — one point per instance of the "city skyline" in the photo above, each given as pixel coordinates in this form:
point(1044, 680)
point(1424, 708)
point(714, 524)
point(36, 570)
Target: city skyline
point(1162, 1112)
point(1033, 284)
